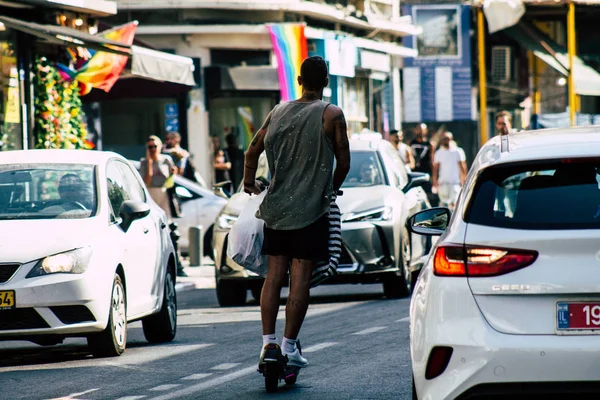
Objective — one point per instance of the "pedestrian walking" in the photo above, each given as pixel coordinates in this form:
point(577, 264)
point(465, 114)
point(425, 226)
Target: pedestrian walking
point(236, 157)
point(404, 151)
point(301, 139)
point(221, 164)
point(423, 151)
point(503, 123)
point(156, 169)
point(449, 171)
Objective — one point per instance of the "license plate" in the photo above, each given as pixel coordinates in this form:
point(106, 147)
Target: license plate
point(7, 299)
point(578, 315)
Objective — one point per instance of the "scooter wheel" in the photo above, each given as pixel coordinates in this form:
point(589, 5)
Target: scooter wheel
point(271, 377)
point(291, 374)
point(291, 380)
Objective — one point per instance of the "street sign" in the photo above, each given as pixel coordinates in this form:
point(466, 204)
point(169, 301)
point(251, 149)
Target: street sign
point(171, 110)
point(172, 125)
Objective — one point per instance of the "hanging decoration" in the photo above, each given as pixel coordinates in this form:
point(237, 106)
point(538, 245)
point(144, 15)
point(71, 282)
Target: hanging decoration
point(290, 47)
point(101, 69)
point(58, 118)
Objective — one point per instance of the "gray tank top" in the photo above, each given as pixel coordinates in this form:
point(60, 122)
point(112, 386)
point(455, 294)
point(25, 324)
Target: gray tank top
point(300, 157)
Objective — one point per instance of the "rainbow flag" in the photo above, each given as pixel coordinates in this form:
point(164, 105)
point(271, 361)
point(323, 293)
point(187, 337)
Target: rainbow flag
point(289, 44)
point(246, 125)
point(103, 69)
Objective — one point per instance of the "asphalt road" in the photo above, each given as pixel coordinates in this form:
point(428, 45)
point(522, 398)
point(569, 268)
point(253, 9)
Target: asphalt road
point(356, 342)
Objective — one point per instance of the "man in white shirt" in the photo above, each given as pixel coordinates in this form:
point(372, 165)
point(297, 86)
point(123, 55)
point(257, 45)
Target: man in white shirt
point(404, 151)
point(449, 171)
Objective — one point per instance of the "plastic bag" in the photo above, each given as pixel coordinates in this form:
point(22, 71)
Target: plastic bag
point(246, 238)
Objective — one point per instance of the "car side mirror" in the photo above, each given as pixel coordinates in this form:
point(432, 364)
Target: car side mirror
point(183, 192)
point(430, 222)
point(132, 210)
point(416, 179)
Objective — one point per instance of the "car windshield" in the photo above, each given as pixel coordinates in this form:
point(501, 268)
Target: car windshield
point(365, 170)
point(561, 194)
point(47, 191)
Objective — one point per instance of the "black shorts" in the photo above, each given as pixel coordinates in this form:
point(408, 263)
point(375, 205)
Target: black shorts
point(308, 243)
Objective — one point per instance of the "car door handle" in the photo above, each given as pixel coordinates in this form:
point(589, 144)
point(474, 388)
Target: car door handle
point(162, 225)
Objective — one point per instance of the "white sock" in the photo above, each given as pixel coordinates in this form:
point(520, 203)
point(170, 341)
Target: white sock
point(269, 339)
point(288, 346)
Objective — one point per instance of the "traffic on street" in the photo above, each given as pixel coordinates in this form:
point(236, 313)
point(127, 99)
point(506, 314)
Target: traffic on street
point(303, 199)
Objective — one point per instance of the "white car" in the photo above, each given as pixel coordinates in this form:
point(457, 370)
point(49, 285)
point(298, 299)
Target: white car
point(200, 207)
point(84, 250)
point(509, 301)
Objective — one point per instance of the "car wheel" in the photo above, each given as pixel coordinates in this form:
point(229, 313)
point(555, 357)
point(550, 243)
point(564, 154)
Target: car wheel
point(398, 285)
point(231, 293)
point(256, 291)
point(162, 326)
point(112, 340)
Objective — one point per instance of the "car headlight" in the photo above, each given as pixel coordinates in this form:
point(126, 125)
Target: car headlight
point(377, 214)
point(70, 262)
point(226, 221)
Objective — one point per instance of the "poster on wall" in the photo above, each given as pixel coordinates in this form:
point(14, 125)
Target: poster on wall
point(437, 83)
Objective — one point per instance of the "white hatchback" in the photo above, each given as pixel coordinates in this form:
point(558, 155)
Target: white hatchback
point(509, 301)
point(83, 251)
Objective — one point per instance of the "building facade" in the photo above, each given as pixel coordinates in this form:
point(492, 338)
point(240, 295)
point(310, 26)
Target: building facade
point(230, 42)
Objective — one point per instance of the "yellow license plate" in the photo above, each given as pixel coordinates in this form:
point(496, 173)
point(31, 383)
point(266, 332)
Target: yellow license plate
point(7, 299)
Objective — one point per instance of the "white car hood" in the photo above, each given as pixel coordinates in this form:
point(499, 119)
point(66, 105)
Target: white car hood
point(361, 199)
point(28, 240)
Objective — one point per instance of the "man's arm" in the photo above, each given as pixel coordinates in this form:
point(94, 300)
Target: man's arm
point(337, 130)
point(410, 158)
point(463, 172)
point(252, 155)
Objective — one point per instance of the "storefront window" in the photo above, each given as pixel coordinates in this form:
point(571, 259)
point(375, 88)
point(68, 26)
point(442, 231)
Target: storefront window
point(10, 118)
point(240, 116)
point(356, 104)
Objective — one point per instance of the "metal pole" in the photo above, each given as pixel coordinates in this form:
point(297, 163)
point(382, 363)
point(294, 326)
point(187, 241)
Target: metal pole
point(571, 49)
point(482, 78)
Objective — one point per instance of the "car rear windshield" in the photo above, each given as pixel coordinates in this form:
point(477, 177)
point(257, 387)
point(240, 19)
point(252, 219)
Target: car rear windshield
point(557, 194)
point(47, 191)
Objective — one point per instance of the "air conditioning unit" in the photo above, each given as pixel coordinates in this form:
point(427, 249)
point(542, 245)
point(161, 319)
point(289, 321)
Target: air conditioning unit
point(501, 64)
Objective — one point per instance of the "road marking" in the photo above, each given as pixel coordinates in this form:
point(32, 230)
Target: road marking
point(163, 388)
point(154, 353)
point(131, 398)
point(75, 395)
point(195, 377)
point(406, 319)
point(207, 384)
point(318, 347)
point(226, 366)
point(370, 330)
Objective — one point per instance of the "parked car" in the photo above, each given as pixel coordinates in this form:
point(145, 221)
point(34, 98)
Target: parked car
point(84, 251)
point(508, 303)
point(200, 207)
point(378, 196)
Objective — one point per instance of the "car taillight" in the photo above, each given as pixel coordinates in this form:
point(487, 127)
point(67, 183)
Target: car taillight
point(477, 261)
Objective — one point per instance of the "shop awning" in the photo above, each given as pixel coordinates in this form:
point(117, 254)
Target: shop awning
point(587, 79)
point(145, 63)
point(65, 36)
point(161, 66)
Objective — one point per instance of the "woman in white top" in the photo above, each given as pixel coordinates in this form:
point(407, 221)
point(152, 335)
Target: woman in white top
point(156, 169)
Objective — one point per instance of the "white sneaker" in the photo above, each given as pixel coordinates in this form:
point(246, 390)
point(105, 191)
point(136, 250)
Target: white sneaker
point(295, 359)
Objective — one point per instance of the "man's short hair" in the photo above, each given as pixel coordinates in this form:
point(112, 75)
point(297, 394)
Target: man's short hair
point(231, 139)
point(175, 135)
point(314, 73)
point(394, 132)
point(504, 114)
